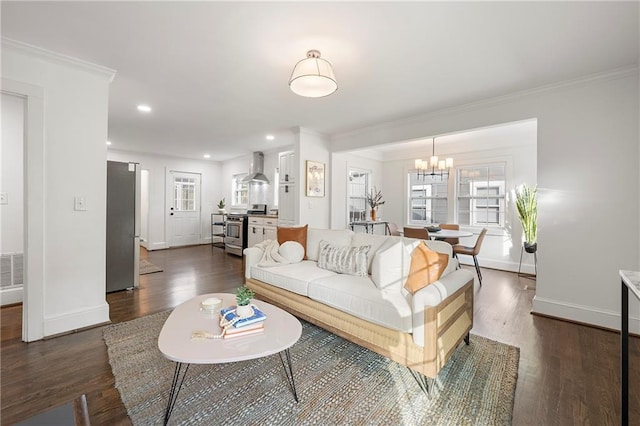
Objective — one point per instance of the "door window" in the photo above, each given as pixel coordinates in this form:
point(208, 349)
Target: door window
point(184, 194)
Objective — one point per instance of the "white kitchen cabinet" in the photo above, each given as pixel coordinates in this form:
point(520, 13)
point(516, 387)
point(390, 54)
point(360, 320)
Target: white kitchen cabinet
point(286, 204)
point(261, 229)
point(287, 163)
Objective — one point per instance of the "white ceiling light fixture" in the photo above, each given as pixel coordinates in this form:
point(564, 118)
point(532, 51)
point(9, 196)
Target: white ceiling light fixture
point(435, 166)
point(270, 137)
point(313, 77)
point(108, 142)
point(207, 156)
point(144, 108)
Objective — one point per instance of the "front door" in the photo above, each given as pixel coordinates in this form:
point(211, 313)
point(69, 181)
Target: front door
point(184, 208)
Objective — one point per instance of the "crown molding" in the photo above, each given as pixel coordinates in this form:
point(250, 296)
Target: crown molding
point(601, 77)
point(41, 53)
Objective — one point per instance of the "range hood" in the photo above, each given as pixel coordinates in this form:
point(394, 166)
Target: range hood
point(256, 173)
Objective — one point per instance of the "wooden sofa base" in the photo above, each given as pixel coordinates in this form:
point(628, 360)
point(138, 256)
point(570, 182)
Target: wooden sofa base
point(446, 326)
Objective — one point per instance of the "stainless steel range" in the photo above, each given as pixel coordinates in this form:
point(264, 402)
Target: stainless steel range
point(235, 240)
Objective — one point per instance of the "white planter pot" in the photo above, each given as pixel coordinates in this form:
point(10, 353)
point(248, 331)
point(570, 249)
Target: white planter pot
point(244, 311)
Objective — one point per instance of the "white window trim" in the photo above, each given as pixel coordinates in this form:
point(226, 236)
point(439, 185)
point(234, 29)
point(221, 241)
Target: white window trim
point(234, 189)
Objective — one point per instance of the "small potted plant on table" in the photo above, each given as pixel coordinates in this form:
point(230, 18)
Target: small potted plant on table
point(243, 299)
point(221, 205)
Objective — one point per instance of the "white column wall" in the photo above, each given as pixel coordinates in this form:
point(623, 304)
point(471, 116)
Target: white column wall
point(313, 211)
point(588, 178)
point(72, 291)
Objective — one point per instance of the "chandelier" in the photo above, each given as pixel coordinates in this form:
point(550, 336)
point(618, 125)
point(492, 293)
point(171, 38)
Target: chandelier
point(435, 166)
point(313, 77)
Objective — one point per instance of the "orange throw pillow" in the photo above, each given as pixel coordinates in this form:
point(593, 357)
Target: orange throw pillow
point(298, 234)
point(426, 267)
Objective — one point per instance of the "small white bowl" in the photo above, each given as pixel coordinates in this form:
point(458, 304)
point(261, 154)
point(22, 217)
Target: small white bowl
point(211, 304)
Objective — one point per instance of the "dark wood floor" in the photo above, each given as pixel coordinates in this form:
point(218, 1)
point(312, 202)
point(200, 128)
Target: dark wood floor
point(568, 374)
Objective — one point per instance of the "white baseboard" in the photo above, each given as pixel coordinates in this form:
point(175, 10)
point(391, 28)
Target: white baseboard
point(76, 320)
point(157, 246)
point(9, 296)
point(583, 314)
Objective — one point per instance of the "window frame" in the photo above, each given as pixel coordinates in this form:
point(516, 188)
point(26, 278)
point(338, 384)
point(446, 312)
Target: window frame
point(430, 200)
point(237, 188)
point(368, 174)
point(476, 185)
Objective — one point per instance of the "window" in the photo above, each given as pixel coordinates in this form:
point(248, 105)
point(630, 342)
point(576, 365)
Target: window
point(239, 191)
point(427, 199)
point(184, 194)
point(359, 181)
point(481, 195)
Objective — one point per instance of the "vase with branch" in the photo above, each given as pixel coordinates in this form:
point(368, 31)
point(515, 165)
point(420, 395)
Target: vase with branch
point(374, 199)
point(527, 206)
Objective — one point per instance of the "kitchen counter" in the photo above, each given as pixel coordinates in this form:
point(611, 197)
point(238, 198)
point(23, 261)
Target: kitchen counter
point(269, 216)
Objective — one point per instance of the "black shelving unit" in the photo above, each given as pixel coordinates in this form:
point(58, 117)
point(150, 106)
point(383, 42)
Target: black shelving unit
point(218, 228)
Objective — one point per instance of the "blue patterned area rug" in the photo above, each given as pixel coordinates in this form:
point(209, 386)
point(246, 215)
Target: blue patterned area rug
point(338, 383)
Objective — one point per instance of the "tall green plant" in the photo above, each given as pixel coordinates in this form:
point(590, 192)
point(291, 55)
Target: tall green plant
point(527, 205)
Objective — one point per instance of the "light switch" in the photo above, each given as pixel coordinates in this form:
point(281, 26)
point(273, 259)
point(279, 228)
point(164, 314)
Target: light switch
point(4, 198)
point(80, 204)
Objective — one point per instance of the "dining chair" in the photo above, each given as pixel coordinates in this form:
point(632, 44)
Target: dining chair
point(472, 251)
point(420, 233)
point(453, 226)
point(392, 229)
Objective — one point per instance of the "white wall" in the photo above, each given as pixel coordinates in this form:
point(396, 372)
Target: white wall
point(11, 184)
point(312, 146)
point(587, 174)
point(65, 288)
point(158, 167)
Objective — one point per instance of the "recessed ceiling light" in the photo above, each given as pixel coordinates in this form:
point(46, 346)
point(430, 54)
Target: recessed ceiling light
point(270, 137)
point(108, 142)
point(144, 108)
point(206, 156)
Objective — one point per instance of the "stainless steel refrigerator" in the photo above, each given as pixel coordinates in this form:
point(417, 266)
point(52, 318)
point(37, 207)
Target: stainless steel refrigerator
point(123, 225)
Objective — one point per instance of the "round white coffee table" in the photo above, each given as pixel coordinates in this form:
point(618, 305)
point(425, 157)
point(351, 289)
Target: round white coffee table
point(281, 331)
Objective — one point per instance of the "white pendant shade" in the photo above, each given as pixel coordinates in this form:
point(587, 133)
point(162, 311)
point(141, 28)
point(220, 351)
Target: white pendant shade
point(313, 77)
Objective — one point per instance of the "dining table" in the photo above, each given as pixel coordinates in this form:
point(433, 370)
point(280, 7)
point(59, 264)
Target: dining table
point(449, 233)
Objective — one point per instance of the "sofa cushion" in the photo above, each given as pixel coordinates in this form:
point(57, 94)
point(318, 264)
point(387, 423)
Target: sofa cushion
point(364, 239)
point(388, 265)
point(338, 237)
point(294, 277)
point(343, 259)
point(359, 297)
point(292, 251)
point(297, 233)
point(426, 267)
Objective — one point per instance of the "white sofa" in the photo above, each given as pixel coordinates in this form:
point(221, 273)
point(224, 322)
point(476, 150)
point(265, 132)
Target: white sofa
point(420, 331)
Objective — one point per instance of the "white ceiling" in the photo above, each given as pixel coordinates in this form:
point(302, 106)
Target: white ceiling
point(216, 73)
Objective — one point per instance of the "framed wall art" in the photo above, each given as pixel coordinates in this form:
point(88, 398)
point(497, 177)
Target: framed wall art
point(315, 179)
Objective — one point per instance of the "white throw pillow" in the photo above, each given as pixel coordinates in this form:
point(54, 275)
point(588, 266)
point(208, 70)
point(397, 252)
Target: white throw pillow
point(292, 251)
point(343, 259)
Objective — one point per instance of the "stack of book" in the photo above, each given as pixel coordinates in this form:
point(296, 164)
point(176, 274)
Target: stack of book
point(243, 326)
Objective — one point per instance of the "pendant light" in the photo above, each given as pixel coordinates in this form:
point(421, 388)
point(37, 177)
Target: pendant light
point(435, 166)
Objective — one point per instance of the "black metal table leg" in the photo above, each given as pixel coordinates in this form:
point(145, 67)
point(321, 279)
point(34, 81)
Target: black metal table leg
point(624, 373)
point(176, 385)
point(288, 371)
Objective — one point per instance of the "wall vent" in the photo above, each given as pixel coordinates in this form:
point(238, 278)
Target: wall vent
point(11, 270)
